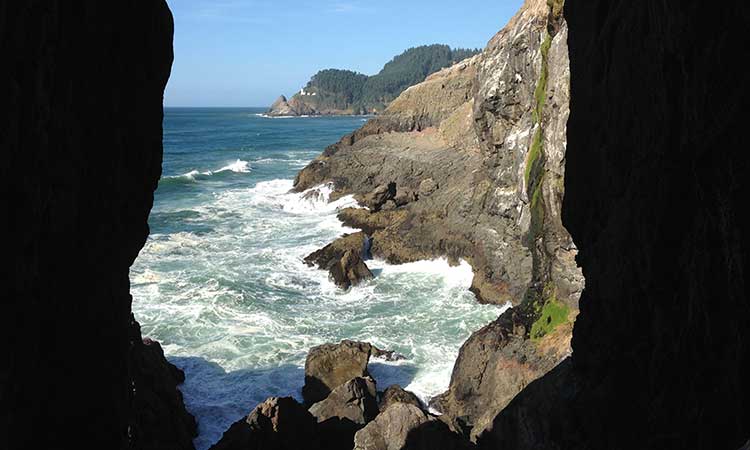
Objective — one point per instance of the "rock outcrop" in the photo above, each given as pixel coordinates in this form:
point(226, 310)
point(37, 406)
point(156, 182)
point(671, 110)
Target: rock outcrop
point(470, 165)
point(346, 410)
point(343, 259)
point(396, 394)
point(160, 419)
point(81, 134)
point(656, 189)
point(404, 426)
point(329, 366)
point(276, 424)
point(294, 107)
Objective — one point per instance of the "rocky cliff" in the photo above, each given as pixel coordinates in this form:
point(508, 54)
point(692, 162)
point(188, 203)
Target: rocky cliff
point(475, 158)
point(656, 189)
point(80, 128)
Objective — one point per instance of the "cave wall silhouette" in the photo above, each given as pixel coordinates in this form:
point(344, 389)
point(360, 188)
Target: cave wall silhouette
point(82, 87)
point(656, 196)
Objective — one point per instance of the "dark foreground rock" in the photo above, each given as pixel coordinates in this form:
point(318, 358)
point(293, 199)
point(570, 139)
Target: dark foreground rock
point(404, 426)
point(346, 410)
point(161, 420)
point(343, 259)
point(81, 89)
point(329, 366)
point(276, 424)
point(656, 193)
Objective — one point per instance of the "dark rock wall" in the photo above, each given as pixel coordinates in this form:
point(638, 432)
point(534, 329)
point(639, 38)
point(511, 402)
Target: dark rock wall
point(656, 193)
point(81, 90)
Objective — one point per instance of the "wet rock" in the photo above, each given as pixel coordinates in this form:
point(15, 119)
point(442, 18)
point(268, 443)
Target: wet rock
point(405, 426)
point(343, 259)
point(388, 355)
point(275, 424)
point(396, 394)
point(329, 366)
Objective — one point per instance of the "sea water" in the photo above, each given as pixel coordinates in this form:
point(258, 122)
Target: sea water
point(222, 284)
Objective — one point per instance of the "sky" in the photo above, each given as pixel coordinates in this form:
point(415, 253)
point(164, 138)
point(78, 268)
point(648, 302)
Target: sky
point(248, 52)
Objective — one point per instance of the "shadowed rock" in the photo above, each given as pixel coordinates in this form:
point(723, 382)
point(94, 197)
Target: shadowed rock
point(345, 411)
point(328, 366)
point(275, 424)
point(405, 426)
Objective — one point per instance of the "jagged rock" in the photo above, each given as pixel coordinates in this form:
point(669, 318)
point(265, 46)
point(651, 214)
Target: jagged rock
point(343, 260)
point(275, 424)
point(328, 366)
point(294, 107)
point(345, 411)
point(161, 420)
point(388, 355)
point(404, 426)
point(354, 400)
point(396, 394)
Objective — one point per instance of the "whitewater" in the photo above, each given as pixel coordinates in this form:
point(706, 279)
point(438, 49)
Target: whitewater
point(222, 284)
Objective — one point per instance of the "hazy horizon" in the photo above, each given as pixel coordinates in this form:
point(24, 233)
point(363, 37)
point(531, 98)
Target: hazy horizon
point(245, 53)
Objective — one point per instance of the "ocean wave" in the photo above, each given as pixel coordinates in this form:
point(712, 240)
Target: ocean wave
point(239, 166)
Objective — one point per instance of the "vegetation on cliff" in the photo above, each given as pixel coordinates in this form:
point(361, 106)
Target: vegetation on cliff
point(335, 91)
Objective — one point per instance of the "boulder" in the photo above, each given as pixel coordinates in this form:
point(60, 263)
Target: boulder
point(345, 411)
point(328, 366)
point(379, 196)
point(276, 424)
point(354, 400)
point(343, 259)
point(396, 394)
point(405, 426)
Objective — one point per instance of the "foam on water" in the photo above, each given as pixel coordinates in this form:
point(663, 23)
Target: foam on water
point(222, 284)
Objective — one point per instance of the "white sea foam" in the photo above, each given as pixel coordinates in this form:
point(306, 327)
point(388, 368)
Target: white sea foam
point(238, 166)
point(238, 309)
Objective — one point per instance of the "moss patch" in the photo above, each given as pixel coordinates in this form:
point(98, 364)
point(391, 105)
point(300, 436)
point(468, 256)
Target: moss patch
point(554, 313)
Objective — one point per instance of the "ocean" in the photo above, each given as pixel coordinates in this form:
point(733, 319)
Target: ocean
point(221, 282)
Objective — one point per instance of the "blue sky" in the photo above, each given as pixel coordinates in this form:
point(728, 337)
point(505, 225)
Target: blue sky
point(247, 52)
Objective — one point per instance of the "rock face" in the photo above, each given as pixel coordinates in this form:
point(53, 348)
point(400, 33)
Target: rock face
point(403, 426)
point(343, 260)
point(470, 165)
point(294, 107)
point(329, 366)
point(81, 135)
point(354, 400)
point(396, 394)
point(161, 420)
point(276, 424)
point(656, 189)
point(345, 411)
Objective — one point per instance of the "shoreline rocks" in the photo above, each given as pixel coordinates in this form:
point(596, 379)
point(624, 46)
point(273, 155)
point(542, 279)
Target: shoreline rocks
point(343, 259)
point(329, 366)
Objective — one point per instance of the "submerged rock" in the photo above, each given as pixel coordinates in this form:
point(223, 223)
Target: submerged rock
point(275, 424)
point(329, 366)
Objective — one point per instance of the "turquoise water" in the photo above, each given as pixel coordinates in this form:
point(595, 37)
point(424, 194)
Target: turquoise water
point(222, 285)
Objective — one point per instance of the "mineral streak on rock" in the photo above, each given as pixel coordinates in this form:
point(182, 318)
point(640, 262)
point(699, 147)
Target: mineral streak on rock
point(473, 159)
